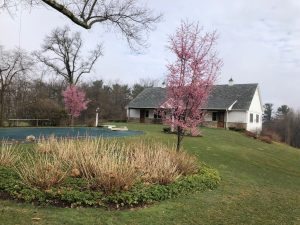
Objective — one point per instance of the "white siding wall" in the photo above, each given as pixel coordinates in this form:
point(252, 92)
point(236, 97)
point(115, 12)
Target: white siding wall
point(237, 117)
point(255, 109)
point(133, 113)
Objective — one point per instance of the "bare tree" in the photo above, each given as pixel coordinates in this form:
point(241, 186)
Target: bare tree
point(5, 4)
point(12, 64)
point(125, 16)
point(61, 52)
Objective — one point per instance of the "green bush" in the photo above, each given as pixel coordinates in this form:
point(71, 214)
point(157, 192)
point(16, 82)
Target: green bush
point(167, 129)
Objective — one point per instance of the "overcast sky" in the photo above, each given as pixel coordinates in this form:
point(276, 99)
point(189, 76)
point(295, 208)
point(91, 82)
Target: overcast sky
point(259, 42)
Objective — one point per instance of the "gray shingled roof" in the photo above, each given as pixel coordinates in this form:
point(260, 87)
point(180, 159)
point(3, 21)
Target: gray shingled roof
point(222, 97)
point(149, 98)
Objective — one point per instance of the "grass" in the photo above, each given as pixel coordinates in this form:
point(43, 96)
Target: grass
point(260, 185)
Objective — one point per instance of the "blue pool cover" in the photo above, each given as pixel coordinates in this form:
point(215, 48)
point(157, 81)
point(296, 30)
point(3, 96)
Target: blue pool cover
point(22, 133)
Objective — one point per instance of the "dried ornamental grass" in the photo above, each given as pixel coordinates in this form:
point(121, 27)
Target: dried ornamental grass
point(111, 165)
point(186, 164)
point(155, 163)
point(114, 175)
point(106, 165)
point(8, 155)
point(42, 171)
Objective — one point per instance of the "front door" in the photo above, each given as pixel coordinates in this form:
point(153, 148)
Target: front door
point(142, 116)
point(221, 119)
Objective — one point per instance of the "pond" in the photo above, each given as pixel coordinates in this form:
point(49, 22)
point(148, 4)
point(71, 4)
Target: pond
point(21, 133)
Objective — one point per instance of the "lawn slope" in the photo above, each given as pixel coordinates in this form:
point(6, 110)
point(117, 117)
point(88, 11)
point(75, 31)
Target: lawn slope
point(260, 185)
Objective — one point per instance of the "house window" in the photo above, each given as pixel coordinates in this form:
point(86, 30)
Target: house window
point(214, 116)
point(147, 113)
point(257, 118)
point(251, 117)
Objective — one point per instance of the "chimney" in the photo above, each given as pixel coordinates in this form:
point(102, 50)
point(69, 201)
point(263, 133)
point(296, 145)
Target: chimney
point(230, 82)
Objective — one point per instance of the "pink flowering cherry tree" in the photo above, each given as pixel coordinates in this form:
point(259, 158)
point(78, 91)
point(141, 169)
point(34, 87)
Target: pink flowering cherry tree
point(190, 78)
point(75, 101)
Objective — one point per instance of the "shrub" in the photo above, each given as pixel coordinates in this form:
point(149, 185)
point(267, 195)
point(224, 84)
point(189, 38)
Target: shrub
point(271, 134)
point(238, 129)
point(167, 129)
point(250, 134)
point(42, 171)
point(265, 139)
point(8, 155)
point(90, 123)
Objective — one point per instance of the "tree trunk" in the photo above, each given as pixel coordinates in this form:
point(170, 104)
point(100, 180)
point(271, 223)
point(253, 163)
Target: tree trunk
point(179, 138)
point(72, 121)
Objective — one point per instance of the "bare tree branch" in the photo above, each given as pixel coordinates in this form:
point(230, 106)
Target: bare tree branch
point(67, 61)
point(12, 65)
point(127, 17)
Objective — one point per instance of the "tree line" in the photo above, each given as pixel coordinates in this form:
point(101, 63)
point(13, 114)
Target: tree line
point(61, 54)
point(282, 124)
point(41, 99)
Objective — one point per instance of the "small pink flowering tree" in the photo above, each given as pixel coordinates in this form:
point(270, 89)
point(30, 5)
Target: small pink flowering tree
point(75, 101)
point(190, 78)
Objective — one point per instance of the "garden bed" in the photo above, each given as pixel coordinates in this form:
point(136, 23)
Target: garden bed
point(96, 173)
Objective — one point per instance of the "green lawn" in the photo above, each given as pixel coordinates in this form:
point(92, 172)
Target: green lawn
point(260, 185)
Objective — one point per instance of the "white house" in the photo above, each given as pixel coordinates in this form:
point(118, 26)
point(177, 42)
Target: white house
point(228, 106)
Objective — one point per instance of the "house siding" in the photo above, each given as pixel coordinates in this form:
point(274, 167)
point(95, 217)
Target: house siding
point(255, 109)
point(237, 117)
point(241, 103)
point(133, 113)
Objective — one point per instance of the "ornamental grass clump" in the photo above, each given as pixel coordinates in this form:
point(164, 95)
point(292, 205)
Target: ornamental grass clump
point(110, 165)
point(47, 145)
point(186, 164)
point(106, 165)
point(113, 174)
point(154, 162)
point(8, 155)
point(43, 171)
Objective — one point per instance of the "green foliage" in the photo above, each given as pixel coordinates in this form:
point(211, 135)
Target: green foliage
point(268, 111)
point(167, 129)
point(282, 111)
point(141, 194)
point(74, 191)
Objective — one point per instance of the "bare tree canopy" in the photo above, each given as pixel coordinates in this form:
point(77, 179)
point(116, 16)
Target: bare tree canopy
point(61, 52)
point(126, 16)
point(12, 64)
